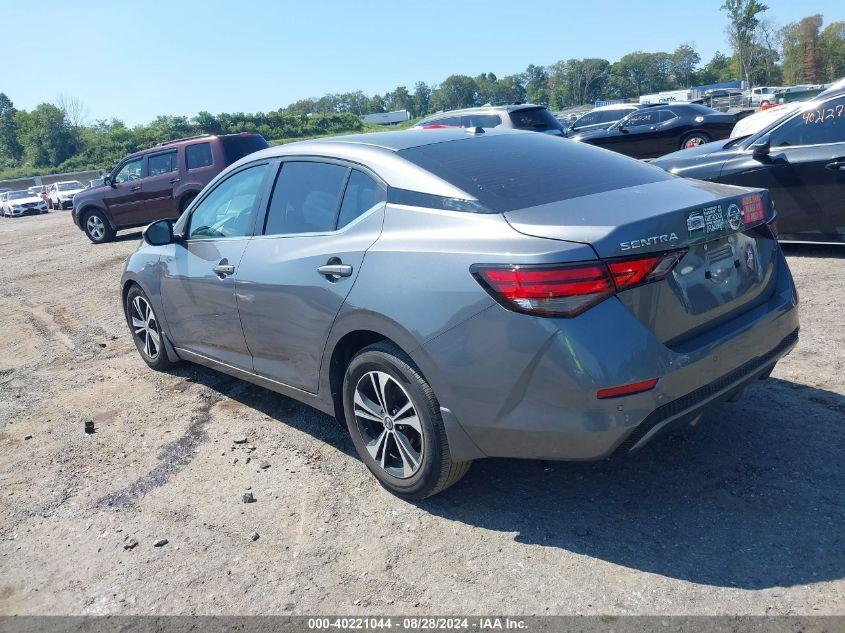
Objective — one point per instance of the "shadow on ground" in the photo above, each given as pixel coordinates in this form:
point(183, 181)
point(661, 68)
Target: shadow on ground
point(752, 498)
point(831, 251)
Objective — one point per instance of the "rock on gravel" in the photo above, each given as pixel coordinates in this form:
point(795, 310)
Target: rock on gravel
point(248, 497)
point(161, 542)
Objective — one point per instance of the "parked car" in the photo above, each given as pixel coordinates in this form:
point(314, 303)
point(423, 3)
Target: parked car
point(368, 275)
point(764, 95)
point(60, 194)
point(601, 117)
point(159, 182)
point(800, 158)
point(96, 182)
point(523, 116)
point(18, 203)
point(662, 128)
point(757, 121)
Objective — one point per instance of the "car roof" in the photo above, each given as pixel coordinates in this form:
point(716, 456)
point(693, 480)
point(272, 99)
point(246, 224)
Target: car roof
point(616, 106)
point(510, 107)
point(379, 151)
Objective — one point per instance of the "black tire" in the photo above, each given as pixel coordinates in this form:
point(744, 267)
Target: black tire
point(97, 227)
point(187, 200)
point(152, 352)
point(694, 140)
point(435, 469)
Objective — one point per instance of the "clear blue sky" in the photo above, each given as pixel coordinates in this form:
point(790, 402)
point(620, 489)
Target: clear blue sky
point(136, 59)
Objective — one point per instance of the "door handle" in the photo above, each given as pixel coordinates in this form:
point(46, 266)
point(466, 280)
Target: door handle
point(837, 165)
point(335, 270)
point(173, 181)
point(223, 270)
point(135, 188)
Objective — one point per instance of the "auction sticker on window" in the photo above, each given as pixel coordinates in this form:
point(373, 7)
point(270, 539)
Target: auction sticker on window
point(752, 208)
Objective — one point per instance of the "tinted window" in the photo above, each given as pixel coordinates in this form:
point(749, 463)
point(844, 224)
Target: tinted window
point(534, 119)
point(198, 155)
point(236, 147)
point(130, 171)
point(162, 163)
point(449, 120)
point(305, 198)
point(667, 115)
point(646, 117)
point(506, 172)
point(227, 211)
point(362, 193)
point(480, 120)
point(823, 123)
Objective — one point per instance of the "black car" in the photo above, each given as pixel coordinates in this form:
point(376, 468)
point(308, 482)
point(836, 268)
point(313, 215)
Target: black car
point(800, 159)
point(660, 129)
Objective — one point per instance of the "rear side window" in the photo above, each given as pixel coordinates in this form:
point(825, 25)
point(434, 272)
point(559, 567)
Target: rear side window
point(236, 147)
point(449, 120)
point(306, 198)
point(362, 194)
point(534, 119)
point(481, 120)
point(162, 163)
point(198, 155)
point(515, 171)
point(823, 123)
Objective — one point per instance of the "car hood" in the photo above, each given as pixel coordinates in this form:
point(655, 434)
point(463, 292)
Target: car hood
point(25, 200)
point(701, 155)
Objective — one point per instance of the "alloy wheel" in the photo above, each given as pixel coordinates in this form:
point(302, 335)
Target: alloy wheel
point(694, 141)
point(145, 327)
point(389, 424)
point(96, 227)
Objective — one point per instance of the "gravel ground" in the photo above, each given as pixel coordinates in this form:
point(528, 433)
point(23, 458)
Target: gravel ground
point(743, 515)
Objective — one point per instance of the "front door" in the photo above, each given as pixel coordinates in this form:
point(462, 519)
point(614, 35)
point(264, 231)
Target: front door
point(197, 287)
point(293, 280)
point(124, 198)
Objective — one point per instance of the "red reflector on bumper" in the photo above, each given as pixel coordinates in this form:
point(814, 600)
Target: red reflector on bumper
point(626, 390)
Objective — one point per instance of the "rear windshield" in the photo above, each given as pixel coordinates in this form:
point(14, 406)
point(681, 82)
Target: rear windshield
point(515, 171)
point(236, 147)
point(534, 119)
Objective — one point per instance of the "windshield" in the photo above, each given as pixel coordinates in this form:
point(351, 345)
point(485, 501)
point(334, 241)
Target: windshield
point(515, 171)
point(69, 186)
point(534, 119)
point(16, 195)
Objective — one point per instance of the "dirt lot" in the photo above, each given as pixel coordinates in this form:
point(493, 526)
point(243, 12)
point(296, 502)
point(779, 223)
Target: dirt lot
point(744, 515)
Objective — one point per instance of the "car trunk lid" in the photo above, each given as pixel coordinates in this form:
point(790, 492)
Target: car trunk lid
point(729, 259)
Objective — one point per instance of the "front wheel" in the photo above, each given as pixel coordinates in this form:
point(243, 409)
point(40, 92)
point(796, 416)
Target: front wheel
point(146, 331)
point(394, 419)
point(97, 228)
point(694, 140)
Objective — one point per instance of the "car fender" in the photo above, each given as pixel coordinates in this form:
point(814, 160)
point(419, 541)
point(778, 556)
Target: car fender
point(153, 292)
point(185, 190)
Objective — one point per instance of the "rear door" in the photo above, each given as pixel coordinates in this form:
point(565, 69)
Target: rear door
point(294, 278)
point(157, 187)
point(125, 199)
point(804, 172)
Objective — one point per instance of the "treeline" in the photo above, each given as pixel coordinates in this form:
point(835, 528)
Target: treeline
point(57, 137)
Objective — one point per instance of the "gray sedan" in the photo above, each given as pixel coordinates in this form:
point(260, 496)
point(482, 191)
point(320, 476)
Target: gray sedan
point(457, 294)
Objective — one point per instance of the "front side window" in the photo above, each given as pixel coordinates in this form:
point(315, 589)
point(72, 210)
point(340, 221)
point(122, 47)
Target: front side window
point(130, 171)
point(362, 194)
point(228, 210)
point(198, 155)
point(649, 117)
point(821, 124)
point(306, 198)
point(162, 164)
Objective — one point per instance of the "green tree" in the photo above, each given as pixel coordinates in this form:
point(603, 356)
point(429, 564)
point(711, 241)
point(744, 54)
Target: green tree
point(46, 136)
point(422, 96)
point(400, 99)
point(536, 82)
point(832, 45)
point(456, 91)
point(802, 59)
point(743, 16)
point(11, 149)
point(684, 61)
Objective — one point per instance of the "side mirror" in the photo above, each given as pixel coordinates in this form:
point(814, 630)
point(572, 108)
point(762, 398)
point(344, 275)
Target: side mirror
point(761, 148)
point(159, 233)
point(107, 181)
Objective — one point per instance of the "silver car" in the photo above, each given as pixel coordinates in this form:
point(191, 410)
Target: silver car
point(457, 294)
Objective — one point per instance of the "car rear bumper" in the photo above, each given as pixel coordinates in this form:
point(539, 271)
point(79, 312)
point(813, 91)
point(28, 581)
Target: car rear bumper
point(525, 387)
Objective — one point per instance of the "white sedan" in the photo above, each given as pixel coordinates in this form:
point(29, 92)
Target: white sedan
point(60, 195)
point(18, 203)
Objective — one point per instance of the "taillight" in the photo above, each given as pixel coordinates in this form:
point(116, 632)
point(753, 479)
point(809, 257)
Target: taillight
point(567, 290)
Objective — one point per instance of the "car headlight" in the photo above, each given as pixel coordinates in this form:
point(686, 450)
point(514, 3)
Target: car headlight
point(16, 207)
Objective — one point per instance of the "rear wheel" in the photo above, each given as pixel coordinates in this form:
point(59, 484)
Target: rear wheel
point(97, 228)
point(146, 331)
point(694, 140)
point(394, 419)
